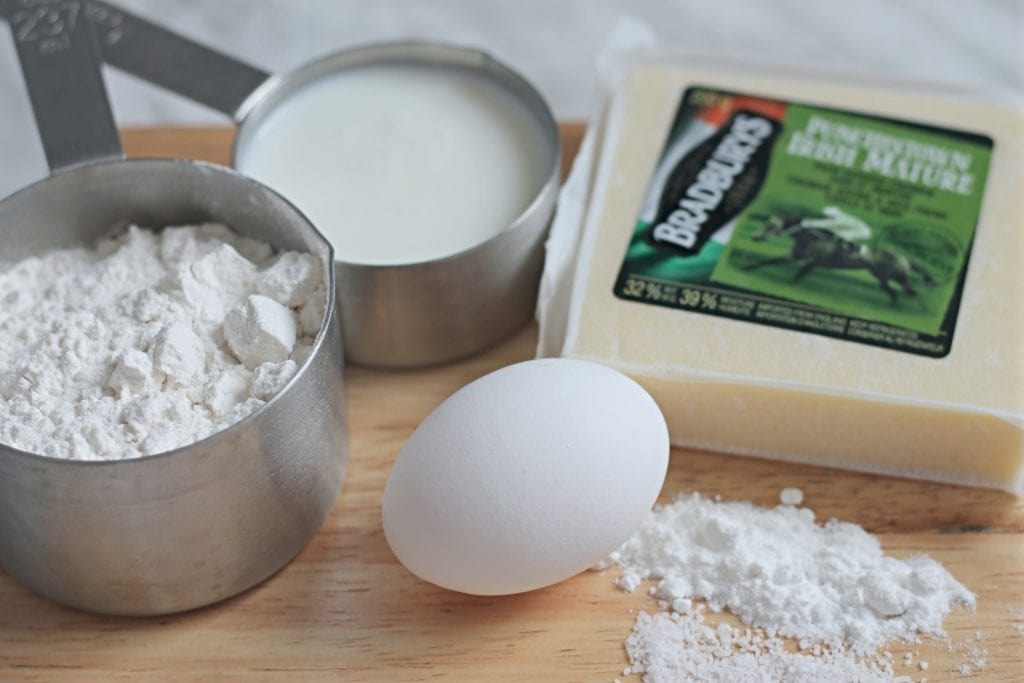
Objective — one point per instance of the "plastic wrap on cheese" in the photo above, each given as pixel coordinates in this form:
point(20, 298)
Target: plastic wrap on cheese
point(806, 269)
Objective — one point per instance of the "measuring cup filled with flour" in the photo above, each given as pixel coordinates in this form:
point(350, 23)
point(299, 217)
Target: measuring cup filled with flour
point(171, 400)
point(432, 169)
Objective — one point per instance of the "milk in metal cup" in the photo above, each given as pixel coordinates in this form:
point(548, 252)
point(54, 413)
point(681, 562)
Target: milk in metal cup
point(400, 163)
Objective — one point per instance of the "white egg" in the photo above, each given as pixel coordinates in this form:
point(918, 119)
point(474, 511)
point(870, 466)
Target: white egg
point(525, 477)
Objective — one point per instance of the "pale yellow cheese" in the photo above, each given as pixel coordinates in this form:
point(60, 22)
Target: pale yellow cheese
point(759, 390)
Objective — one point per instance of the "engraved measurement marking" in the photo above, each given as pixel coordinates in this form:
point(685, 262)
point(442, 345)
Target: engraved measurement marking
point(109, 23)
point(46, 24)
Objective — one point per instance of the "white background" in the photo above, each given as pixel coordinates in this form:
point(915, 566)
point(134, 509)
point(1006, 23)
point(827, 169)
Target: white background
point(554, 43)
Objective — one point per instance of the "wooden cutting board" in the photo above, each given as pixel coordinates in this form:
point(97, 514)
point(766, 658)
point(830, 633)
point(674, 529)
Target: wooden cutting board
point(346, 610)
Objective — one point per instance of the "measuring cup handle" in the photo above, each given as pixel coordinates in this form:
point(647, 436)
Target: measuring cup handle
point(60, 62)
point(173, 62)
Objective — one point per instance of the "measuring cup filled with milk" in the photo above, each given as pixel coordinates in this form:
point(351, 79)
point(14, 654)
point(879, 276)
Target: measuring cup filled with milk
point(400, 163)
point(431, 169)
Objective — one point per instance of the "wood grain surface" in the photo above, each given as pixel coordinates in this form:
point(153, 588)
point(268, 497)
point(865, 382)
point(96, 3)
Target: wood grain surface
point(345, 610)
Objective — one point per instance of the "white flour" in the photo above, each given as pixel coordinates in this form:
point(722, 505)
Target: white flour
point(150, 341)
point(830, 587)
point(680, 646)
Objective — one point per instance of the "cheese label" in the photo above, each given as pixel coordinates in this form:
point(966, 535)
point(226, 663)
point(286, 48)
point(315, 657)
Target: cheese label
point(813, 219)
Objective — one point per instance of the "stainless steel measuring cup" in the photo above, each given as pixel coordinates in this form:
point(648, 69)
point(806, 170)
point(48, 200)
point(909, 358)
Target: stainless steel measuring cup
point(395, 315)
point(192, 526)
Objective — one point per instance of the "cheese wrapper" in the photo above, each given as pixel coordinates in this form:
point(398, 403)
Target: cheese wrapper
point(805, 269)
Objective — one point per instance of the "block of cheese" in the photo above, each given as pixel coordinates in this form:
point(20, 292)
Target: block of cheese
point(809, 270)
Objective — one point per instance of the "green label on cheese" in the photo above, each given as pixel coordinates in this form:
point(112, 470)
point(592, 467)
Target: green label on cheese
point(812, 219)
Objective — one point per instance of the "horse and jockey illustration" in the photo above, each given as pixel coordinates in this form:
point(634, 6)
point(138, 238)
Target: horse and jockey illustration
point(839, 240)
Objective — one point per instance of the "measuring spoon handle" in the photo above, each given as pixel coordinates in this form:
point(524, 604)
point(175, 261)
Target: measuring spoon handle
point(60, 62)
point(171, 61)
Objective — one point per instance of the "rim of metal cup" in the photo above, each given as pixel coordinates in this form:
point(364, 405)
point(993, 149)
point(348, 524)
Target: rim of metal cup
point(315, 347)
point(278, 88)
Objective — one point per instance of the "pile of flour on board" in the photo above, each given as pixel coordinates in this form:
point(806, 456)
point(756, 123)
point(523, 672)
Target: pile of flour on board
point(829, 587)
point(149, 341)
